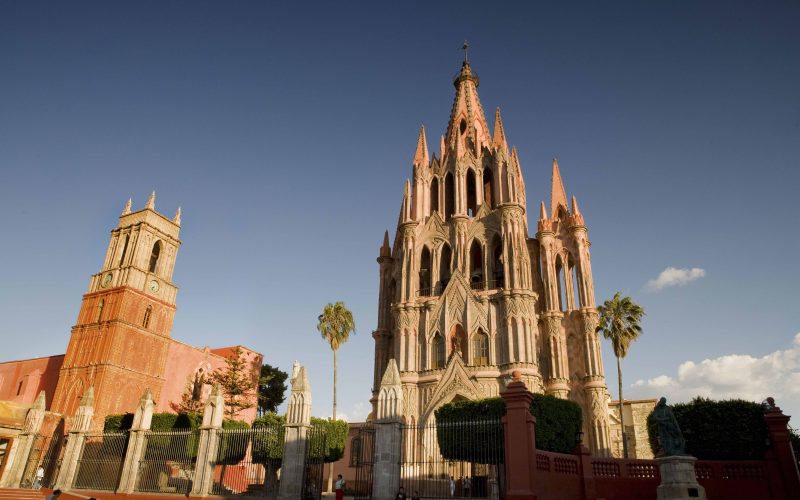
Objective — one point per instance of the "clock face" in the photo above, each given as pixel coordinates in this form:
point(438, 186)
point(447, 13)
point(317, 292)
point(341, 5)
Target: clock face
point(107, 279)
point(153, 286)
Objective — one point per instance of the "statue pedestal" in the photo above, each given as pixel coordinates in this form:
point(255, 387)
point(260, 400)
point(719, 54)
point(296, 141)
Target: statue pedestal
point(678, 480)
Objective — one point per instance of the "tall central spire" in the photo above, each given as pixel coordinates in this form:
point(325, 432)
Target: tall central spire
point(467, 126)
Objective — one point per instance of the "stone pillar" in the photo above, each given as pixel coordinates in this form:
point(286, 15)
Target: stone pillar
point(780, 449)
point(520, 440)
point(388, 442)
point(298, 422)
point(136, 443)
point(678, 479)
point(213, 414)
point(77, 435)
point(18, 455)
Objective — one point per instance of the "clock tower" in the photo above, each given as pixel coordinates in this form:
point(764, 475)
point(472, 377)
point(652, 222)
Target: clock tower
point(120, 342)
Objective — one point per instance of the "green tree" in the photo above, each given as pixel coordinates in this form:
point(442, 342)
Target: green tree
point(191, 400)
point(271, 389)
point(237, 382)
point(335, 325)
point(619, 322)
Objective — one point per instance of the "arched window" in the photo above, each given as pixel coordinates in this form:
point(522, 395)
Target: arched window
point(562, 292)
point(444, 266)
point(425, 272)
point(476, 266)
point(488, 187)
point(100, 309)
point(355, 452)
point(449, 196)
point(497, 263)
point(147, 314)
point(458, 342)
point(154, 257)
point(124, 251)
point(576, 294)
point(480, 349)
point(472, 193)
point(437, 351)
point(434, 195)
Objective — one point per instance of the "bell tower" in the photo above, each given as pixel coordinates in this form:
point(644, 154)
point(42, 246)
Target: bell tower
point(120, 342)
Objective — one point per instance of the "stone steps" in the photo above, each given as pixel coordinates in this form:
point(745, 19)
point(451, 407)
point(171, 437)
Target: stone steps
point(21, 494)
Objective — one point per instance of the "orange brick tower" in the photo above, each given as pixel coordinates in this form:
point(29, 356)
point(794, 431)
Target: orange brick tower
point(120, 342)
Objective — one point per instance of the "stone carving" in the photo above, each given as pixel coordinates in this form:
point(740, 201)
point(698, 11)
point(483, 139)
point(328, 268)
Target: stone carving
point(670, 436)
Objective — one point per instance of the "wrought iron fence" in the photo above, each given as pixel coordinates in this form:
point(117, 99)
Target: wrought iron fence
point(45, 455)
point(168, 461)
point(363, 459)
point(446, 460)
point(316, 448)
point(248, 460)
point(100, 462)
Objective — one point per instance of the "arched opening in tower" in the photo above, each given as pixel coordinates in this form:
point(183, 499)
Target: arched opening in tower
point(437, 351)
point(449, 196)
point(472, 193)
point(497, 262)
point(154, 257)
point(425, 272)
point(476, 266)
point(562, 302)
point(434, 195)
point(488, 188)
point(124, 251)
point(444, 266)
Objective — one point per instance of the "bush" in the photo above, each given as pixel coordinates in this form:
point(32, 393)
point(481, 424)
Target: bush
point(268, 447)
point(558, 422)
point(232, 447)
point(718, 430)
point(334, 433)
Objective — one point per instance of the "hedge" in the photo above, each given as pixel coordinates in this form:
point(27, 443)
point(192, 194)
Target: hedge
point(558, 422)
point(335, 436)
point(268, 446)
point(718, 430)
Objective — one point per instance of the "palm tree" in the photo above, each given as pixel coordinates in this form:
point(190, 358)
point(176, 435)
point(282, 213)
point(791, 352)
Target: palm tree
point(335, 324)
point(619, 322)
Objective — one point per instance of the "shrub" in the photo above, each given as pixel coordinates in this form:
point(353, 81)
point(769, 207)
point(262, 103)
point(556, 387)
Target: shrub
point(333, 434)
point(558, 422)
point(268, 446)
point(718, 430)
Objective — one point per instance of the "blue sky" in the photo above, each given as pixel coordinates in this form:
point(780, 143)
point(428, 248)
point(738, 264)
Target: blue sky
point(286, 131)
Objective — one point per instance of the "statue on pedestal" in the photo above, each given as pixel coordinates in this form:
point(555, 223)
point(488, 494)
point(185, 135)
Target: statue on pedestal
point(670, 436)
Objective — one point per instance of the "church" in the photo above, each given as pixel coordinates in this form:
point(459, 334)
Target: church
point(467, 296)
point(121, 343)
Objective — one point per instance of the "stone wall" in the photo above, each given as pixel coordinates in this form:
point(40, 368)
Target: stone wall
point(636, 412)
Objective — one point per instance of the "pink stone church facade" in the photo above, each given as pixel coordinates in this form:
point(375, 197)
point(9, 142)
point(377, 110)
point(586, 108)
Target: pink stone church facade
point(121, 343)
point(467, 296)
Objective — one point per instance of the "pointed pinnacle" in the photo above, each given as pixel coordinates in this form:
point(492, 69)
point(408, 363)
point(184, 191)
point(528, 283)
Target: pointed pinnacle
point(557, 194)
point(575, 209)
point(40, 402)
point(421, 155)
point(385, 249)
point(441, 147)
point(127, 209)
point(151, 202)
point(88, 397)
point(177, 218)
point(499, 139)
point(542, 212)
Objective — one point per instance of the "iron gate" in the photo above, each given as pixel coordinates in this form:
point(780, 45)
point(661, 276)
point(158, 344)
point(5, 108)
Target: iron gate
point(248, 460)
point(453, 460)
point(100, 462)
point(167, 463)
point(313, 471)
point(362, 457)
point(46, 453)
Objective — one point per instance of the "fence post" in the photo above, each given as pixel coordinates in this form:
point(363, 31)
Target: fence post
point(298, 422)
point(520, 440)
point(75, 440)
point(388, 442)
point(207, 447)
point(24, 443)
point(141, 424)
point(587, 474)
point(780, 449)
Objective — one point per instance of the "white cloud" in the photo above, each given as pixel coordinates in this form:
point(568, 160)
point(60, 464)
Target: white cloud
point(672, 276)
point(738, 376)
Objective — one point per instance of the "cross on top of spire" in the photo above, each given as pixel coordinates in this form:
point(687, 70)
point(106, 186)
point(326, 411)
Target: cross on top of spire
point(465, 48)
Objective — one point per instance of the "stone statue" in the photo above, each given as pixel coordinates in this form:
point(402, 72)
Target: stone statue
point(295, 370)
point(669, 433)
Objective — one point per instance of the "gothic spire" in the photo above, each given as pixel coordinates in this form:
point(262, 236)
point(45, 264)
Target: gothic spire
point(151, 202)
point(467, 120)
point(386, 250)
point(558, 197)
point(421, 155)
point(575, 209)
point(499, 139)
point(127, 209)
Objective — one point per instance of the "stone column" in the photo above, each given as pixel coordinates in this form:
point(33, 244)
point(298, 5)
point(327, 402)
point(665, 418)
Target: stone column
point(207, 447)
point(18, 455)
point(388, 442)
point(298, 422)
point(136, 443)
point(520, 440)
point(77, 435)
